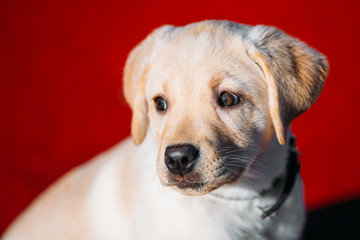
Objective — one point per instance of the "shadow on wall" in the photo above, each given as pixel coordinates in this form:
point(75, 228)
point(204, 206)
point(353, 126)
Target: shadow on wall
point(340, 221)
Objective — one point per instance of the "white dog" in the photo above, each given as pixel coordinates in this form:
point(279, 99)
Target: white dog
point(212, 102)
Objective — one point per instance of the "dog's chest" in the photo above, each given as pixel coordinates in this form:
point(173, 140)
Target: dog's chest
point(197, 220)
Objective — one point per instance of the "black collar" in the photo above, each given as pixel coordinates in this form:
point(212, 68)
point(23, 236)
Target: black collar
point(292, 169)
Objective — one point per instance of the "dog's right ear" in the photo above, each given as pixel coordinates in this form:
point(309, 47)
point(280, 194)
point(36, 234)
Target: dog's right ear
point(135, 76)
point(294, 73)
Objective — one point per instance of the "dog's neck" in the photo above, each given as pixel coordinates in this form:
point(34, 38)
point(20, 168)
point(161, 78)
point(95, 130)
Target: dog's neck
point(292, 169)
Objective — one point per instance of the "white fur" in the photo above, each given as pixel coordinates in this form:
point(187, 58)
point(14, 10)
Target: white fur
point(103, 205)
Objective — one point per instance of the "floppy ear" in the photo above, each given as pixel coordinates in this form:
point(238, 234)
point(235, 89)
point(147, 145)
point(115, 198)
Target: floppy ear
point(135, 76)
point(294, 72)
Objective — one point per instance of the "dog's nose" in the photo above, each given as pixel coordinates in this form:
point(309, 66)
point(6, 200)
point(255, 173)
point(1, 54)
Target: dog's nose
point(180, 159)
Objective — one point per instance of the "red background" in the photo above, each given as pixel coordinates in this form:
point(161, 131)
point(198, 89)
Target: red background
point(60, 86)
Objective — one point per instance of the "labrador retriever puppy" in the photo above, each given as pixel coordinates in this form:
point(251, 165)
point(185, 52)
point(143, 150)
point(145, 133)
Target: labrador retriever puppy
point(212, 156)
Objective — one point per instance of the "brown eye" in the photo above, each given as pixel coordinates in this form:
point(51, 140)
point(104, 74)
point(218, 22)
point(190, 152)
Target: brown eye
point(160, 104)
point(227, 99)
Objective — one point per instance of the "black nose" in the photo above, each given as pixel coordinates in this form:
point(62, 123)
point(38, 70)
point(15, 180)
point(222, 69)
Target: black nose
point(180, 159)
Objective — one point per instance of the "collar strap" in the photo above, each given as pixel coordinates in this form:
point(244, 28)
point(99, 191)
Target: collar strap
point(292, 169)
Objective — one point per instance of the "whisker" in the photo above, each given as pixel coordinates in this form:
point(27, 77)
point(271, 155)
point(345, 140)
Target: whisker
point(235, 165)
point(232, 171)
point(249, 181)
point(234, 150)
point(235, 160)
point(236, 156)
point(256, 171)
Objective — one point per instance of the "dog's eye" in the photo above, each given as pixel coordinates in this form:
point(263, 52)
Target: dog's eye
point(227, 99)
point(160, 104)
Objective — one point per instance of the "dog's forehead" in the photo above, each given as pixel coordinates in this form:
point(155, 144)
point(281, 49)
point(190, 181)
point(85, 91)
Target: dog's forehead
point(201, 58)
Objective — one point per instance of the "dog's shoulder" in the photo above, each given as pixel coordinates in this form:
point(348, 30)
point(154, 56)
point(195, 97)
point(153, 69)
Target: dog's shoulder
point(67, 198)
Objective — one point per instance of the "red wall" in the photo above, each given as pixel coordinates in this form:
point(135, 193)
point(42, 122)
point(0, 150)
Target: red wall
point(60, 86)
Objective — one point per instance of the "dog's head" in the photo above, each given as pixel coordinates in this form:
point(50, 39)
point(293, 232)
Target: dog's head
point(215, 93)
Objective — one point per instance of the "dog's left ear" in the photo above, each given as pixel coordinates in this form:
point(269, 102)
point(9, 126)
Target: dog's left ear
point(135, 75)
point(294, 72)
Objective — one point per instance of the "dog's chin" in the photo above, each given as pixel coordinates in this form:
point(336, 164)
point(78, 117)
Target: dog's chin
point(194, 188)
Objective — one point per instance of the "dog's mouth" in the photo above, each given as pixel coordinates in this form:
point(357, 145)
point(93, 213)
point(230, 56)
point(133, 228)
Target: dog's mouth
point(192, 181)
point(199, 185)
point(192, 184)
point(192, 188)
point(189, 185)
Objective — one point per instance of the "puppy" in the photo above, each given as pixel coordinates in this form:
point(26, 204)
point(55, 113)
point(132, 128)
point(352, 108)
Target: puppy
point(212, 103)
